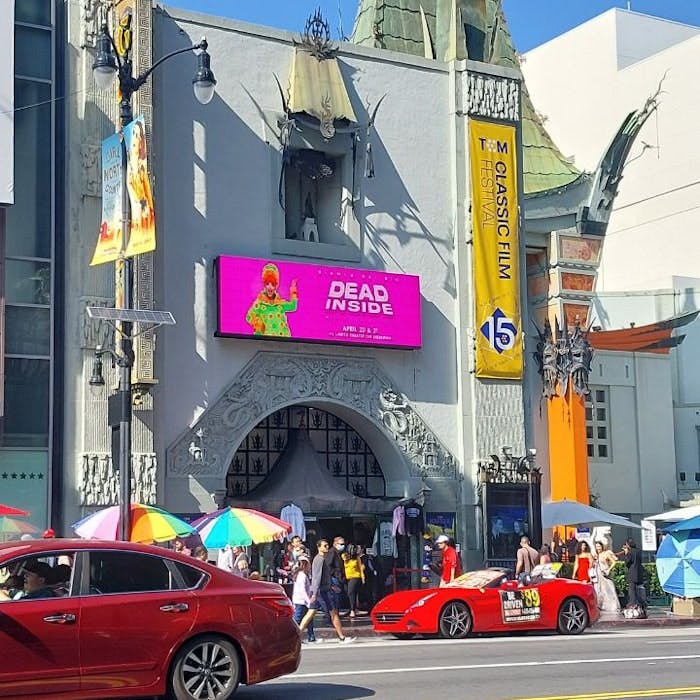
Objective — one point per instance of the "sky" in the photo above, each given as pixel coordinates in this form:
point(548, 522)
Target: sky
point(532, 22)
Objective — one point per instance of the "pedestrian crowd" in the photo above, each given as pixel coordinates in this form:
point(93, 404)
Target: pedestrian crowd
point(592, 566)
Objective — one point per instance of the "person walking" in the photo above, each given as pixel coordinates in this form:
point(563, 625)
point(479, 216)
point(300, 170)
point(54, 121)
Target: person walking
point(633, 562)
point(301, 594)
point(354, 575)
point(322, 596)
point(451, 565)
point(604, 585)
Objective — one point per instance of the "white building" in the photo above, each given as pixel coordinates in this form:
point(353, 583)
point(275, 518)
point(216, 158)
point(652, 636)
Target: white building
point(584, 83)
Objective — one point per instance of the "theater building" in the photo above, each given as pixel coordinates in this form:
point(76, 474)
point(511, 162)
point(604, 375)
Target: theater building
point(354, 239)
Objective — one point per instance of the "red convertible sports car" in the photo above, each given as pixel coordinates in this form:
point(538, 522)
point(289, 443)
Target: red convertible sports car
point(488, 601)
point(87, 619)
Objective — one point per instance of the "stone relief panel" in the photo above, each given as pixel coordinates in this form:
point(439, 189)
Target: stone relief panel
point(93, 332)
point(500, 417)
point(99, 482)
point(93, 14)
point(90, 159)
point(272, 380)
point(493, 96)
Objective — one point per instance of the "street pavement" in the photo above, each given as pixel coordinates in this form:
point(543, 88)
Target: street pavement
point(609, 664)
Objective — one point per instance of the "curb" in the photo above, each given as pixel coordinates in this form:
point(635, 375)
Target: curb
point(365, 630)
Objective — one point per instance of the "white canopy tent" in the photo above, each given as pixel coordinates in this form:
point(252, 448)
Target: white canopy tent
point(676, 515)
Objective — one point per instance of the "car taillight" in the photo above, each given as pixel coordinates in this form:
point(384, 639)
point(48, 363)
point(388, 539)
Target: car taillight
point(279, 603)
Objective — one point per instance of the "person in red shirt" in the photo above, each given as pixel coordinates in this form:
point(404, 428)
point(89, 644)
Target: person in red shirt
point(451, 565)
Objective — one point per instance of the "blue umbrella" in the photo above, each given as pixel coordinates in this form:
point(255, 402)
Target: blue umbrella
point(689, 524)
point(678, 563)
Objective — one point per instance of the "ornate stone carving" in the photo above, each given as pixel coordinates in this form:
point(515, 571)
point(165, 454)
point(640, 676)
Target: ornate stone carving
point(144, 346)
point(424, 450)
point(94, 332)
point(99, 482)
point(563, 359)
point(493, 96)
point(272, 381)
point(91, 171)
point(93, 15)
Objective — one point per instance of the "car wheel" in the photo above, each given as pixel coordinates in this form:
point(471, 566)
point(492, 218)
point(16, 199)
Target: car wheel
point(455, 620)
point(403, 635)
point(573, 617)
point(206, 668)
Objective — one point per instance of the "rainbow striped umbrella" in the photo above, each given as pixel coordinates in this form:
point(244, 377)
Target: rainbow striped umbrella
point(11, 510)
point(239, 526)
point(148, 524)
point(11, 527)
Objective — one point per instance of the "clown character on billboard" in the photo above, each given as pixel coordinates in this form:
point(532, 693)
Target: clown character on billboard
point(268, 314)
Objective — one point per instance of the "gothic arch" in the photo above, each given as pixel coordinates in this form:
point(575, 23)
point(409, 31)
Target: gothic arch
point(357, 390)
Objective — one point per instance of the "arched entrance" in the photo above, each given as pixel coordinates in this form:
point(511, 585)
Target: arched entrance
point(355, 390)
point(340, 448)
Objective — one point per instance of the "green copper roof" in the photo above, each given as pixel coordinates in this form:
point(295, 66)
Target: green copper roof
point(404, 26)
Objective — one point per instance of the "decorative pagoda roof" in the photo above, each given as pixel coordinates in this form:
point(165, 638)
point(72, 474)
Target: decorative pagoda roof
point(429, 28)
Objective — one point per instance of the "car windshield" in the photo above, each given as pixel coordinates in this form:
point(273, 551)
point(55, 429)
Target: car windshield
point(483, 578)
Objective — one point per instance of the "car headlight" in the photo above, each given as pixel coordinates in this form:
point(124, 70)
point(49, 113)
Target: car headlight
point(422, 601)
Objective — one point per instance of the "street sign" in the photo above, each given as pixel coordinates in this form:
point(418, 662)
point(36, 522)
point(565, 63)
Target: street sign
point(648, 535)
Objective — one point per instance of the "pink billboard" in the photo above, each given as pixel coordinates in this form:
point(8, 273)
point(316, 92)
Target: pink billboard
point(295, 301)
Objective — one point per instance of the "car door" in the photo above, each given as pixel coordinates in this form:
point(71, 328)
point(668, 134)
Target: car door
point(518, 607)
point(134, 610)
point(40, 645)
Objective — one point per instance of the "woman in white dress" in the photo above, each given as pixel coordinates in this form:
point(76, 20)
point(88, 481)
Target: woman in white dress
point(604, 585)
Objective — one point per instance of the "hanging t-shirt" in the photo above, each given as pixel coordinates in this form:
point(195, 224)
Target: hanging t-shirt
point(414, 519)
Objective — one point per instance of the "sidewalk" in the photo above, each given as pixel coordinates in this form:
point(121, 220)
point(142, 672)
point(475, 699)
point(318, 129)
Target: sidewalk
point(657, 617)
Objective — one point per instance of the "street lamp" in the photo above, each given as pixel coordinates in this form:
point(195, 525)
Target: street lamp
point(108, 65)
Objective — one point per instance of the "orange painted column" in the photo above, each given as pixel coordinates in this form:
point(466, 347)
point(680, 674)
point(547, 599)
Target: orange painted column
point(568, 451)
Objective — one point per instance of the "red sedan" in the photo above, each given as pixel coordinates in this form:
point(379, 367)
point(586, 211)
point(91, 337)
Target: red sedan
point(487, 601)
point(87, 619)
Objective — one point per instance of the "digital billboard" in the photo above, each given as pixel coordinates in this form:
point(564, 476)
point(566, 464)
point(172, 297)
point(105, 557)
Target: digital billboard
point(261, 298)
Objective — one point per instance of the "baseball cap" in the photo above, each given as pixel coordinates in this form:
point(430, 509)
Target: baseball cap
point(442, 538)
point(41, 568)
point(49, 533)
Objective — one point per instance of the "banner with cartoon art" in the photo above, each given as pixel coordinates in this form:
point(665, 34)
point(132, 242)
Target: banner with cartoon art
point(110, 236)
point(142, 236)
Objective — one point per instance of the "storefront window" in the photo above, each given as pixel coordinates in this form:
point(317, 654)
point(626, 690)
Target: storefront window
point(27, 330)
point(26, 403)
point(33, 12)
point(27, 282)
point(32, 52)
point(29, 219)
point(24, 482)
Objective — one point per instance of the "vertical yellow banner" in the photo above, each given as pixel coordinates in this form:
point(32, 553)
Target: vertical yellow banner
point(494, 180)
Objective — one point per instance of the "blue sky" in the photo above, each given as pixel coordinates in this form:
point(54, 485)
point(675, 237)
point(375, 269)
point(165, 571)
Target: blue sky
point(532, 22)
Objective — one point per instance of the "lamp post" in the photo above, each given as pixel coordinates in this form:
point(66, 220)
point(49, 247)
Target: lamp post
point(108, 65)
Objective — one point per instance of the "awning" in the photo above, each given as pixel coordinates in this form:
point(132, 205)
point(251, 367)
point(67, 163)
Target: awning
point(316, 88)
point(676, 515)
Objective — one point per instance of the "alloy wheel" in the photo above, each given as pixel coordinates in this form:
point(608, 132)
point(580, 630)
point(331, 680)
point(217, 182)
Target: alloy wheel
point(455, 620)
point(573, 617)
point(207, 669)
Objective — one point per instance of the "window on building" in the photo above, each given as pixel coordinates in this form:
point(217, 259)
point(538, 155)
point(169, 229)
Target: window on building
point(598, 436)
point(313, 195)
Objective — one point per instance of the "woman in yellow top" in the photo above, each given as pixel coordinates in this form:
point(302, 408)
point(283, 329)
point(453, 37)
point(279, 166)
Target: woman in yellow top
point(355, 574)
